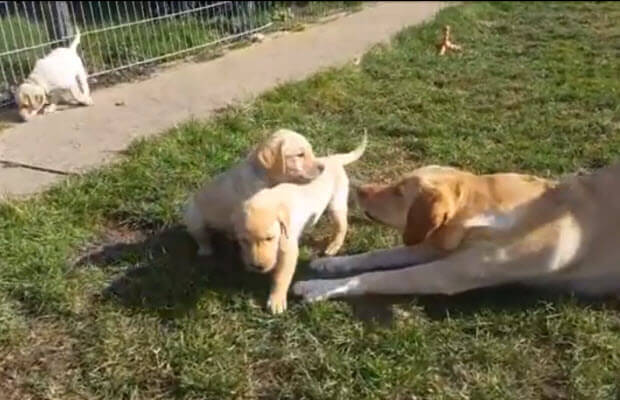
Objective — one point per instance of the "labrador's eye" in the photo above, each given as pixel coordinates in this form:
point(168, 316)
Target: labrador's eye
point(270, 238)
point(301, 154)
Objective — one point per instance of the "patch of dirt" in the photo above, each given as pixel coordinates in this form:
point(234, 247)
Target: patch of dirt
point(41, 367)
point(111, 245)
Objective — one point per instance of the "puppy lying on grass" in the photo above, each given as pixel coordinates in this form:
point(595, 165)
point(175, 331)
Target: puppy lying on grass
point(269, 224)
point(58, 74)
point(286, 156)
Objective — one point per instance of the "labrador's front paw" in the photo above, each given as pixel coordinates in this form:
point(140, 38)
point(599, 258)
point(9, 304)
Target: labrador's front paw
point(327, 265)
point(320, 289)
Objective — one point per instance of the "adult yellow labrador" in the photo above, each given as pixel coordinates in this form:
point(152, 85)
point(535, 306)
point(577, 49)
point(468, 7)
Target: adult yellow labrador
point(435, 208)
point(566, 238)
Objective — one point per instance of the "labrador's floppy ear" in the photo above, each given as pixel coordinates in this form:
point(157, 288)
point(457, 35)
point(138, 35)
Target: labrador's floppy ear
point(429, 211)
point(270, 156)
point(285, 222)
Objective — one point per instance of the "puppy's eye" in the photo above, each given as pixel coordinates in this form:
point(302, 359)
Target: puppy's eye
point(301, 154)
point(270, 238)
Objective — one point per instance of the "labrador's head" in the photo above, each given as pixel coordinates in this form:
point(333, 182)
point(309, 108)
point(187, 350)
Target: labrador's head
point(415, 205)
point(30, 99)
point(261, 227)
point(287, 156)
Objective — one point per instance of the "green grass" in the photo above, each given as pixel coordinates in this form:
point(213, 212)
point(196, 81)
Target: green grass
point(536, 90)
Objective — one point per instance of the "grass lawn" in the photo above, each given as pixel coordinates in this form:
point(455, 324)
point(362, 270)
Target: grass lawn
point(101, 297)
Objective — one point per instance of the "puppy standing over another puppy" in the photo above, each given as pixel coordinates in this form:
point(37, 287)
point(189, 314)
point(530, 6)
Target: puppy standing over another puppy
point(59, 73)
point(286, 156)
point(269, 224)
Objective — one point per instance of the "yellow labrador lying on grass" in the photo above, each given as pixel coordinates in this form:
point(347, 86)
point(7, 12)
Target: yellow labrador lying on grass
point(434, 207)
point(269, 224)
point(567, 238)
point(286, 156)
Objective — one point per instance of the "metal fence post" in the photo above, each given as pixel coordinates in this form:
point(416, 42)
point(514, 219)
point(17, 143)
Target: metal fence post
point(61, 25)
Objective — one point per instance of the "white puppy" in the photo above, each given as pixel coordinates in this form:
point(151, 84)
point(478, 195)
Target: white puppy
point(269, 224)
point(286, 156)
point(59, 73)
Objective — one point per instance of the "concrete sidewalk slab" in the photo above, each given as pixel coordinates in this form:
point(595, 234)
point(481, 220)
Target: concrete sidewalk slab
point(82, 138)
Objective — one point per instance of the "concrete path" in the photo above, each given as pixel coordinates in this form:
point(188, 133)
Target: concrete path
point(81, 138)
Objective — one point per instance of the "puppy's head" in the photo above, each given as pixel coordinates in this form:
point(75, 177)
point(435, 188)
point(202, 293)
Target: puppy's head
point(414, 205)
point(287, 156)
point(261, 227)
point(30, 99)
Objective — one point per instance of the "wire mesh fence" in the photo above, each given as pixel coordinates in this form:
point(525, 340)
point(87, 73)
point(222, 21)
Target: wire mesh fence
point(131, 36)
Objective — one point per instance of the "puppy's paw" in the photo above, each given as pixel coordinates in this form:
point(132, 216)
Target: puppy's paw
point(89, 102)
point(333, 248)
point(276, 303)
point(50, 108)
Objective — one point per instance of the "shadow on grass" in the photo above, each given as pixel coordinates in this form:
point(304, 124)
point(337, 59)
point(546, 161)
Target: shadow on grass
point(506, 299)
point(168, 277)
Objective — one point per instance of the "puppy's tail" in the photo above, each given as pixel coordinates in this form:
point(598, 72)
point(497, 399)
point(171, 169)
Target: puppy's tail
point(76, 39)
point(348, 158)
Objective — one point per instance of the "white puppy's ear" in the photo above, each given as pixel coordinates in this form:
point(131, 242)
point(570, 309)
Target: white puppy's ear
point(270, 156)
point(285, 222)
point(25, 100)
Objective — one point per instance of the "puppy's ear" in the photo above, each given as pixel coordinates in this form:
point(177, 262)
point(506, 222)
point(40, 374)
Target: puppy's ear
point(285, 222)
point(430, 210)
point(270, 156)
point(24, 100)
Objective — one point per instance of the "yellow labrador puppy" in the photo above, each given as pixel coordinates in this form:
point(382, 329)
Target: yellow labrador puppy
point(566, 238)
point(286, 156)
point(269, 224)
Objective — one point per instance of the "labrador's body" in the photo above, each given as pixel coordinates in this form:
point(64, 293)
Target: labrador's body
point(566, 238)
point(436, 209)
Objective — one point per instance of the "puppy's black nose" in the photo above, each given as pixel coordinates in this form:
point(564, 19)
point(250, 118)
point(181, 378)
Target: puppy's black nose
point(321, 167)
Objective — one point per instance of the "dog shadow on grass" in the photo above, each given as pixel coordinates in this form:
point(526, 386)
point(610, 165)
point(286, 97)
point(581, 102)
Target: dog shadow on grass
point(167, 276)
point(383, 310)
